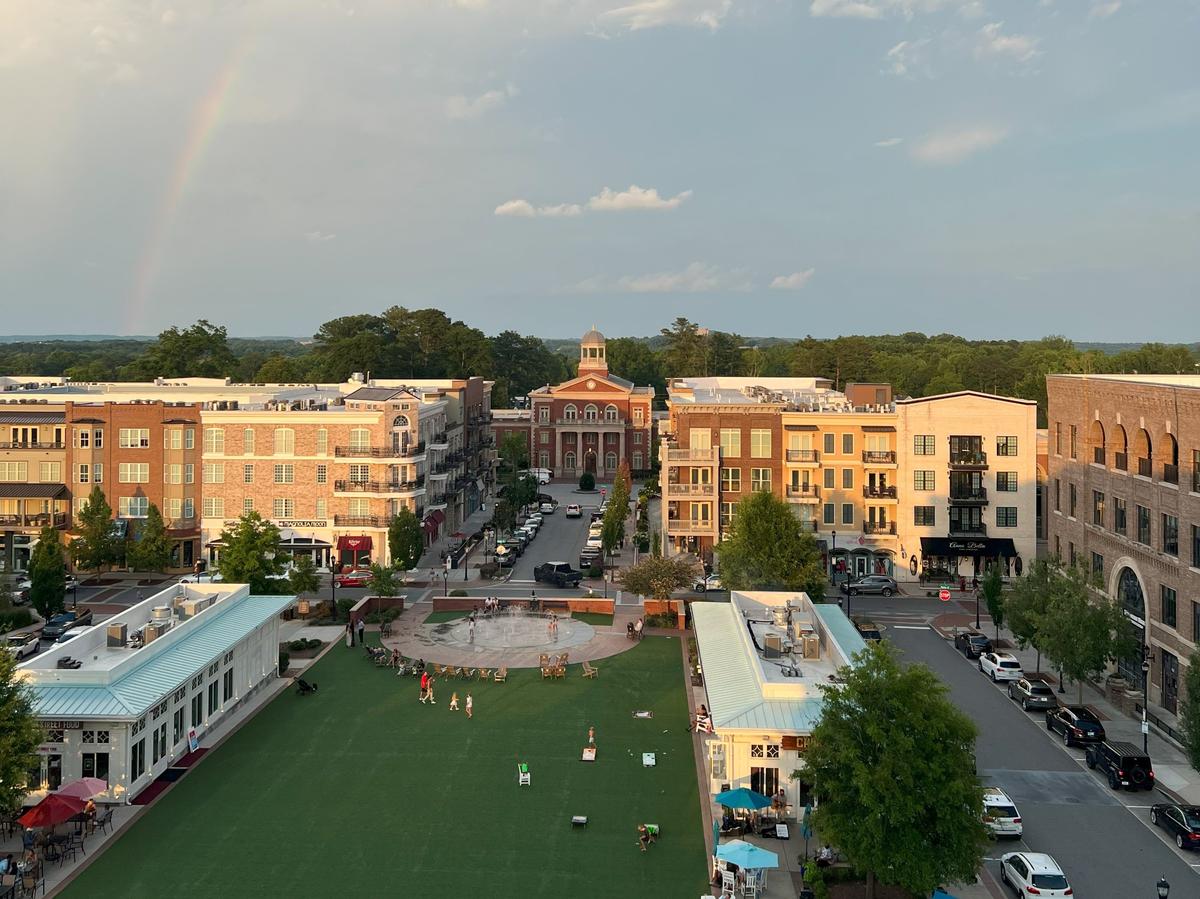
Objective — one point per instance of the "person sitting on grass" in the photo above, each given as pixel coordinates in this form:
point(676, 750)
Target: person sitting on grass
point(647, 834)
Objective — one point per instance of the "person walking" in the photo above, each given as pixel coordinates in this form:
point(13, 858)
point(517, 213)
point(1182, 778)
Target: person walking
point(424, 685)
point(349, 635)
point(454, 702)
point(429, 692)
point(362, 628)
point(470, 706)
point(471, 629)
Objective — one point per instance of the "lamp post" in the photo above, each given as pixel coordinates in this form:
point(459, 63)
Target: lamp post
point(446, 577)
point(1164, 888)
point(1147, 658)
point(832, 563)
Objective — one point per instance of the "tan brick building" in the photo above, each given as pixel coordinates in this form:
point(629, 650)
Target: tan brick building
point(33, 488)
point(1124, 501)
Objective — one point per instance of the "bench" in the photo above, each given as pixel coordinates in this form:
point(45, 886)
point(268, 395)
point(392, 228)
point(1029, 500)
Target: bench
point(579, 820)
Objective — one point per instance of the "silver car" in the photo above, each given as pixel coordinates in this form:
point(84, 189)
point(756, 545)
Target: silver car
point(1032, 694)
point(872, 583)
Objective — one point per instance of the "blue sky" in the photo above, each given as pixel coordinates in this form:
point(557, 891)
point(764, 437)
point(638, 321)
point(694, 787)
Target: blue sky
point(1007, 169)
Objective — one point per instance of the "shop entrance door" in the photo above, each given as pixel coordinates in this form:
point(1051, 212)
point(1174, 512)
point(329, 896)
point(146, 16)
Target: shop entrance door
point(1170, 681)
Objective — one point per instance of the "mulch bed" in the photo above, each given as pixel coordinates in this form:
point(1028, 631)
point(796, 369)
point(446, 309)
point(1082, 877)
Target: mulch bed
point(859, 891)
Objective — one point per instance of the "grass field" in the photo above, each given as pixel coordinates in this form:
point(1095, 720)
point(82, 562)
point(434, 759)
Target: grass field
point(361, 790)
point(597, 618)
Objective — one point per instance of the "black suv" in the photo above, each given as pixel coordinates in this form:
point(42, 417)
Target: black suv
point(972, 644)
point(1123, 764)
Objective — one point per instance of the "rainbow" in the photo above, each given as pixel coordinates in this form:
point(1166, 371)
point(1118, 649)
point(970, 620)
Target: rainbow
point(202, 127)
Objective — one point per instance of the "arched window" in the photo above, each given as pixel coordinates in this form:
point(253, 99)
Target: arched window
point(569, 461)
point(610, 461)
point(400, 421)
point(570, 413)
point(590, 413)
point(1120, 445)
point(1096, 441)
point(1143, 451)
point(637, 461)
point(610, 412)
point(1170, 457)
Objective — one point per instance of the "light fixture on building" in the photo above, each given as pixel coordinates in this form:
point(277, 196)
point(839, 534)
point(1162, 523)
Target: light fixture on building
point(903, 554)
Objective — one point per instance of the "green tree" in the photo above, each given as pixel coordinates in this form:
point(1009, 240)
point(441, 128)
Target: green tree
point(94, 545)
point(1189, 710)
point(1027, 602)
point(992, 587)
point(633, 358)
point(513, 453)
point(686, 351)
point(406, 540)
point(766, 548)
point(303, 577)
point(383, 581)
point(587, 481)
point(201, 351)
point(151, 548)
point(658, 577)
point(251, 553)
point(884, 727)
point(20, 735)
point(47, 574)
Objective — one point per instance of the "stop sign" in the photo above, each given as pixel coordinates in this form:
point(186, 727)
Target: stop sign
point(944, 595)
point(604, 491)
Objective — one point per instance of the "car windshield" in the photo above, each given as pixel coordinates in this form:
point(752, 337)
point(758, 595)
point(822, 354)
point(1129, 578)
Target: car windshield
point(1192, 816)
point(1050, 881)
point(978, 638)
point(17, 641)
point(1002, 811)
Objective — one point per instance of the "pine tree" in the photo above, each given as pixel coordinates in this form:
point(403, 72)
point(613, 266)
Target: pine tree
point(94, 545)
point(47, 574)
point(151, 551)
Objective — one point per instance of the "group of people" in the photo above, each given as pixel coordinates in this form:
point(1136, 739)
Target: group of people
point(634, 629)
point(10, 865)
point(491, 605)
point(647, 834)
point(702, 723)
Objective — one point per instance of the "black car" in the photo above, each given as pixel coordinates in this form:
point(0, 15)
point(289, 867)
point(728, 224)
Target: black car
point(972, 644)
point(64, 621)
point(1076, 723)
point(1180, 821)
point(867, 629)
point(1123, 764)
point(872, 583)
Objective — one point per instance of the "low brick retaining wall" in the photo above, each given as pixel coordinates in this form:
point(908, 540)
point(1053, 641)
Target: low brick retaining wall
point(581, 604)
point(369, 604)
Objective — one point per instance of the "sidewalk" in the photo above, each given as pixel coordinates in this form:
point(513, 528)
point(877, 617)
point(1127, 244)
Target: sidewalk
point(432, 557)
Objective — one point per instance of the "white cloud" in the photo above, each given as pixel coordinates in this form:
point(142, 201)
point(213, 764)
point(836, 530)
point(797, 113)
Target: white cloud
point(879, 9)
point(906, 56)
point(609, 200)
point(699, 277)
point(643, 14)
point(991, 42)
point(462, 107)
point(1104, 10)
point(794, 281)
point(952, 146)
point(525, 209)
point(319, 236)
point(889, 142)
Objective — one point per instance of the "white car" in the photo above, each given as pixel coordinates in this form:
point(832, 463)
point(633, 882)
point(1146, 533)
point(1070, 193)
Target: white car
point(703, 585)
point(1000, 814)
point(1033, 874)
point(204, 577)
point(1000, 666)
point(573, 511)
point(594, 541)
point(546, 508)
point(22, 646)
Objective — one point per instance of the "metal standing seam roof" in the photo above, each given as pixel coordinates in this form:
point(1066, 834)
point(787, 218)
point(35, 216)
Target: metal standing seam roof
point(841, 628)
point(134, 693)
point(32, 418)
point(31, 491)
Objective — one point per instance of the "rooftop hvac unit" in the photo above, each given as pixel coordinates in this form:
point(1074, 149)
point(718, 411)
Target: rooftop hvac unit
point(160, 613)
point(772, 646)
point(193, 607)
point(812, 646)
point(118, 635)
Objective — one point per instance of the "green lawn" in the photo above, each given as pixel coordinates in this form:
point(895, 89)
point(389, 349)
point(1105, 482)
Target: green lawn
point(596, 618)
point(360, 790)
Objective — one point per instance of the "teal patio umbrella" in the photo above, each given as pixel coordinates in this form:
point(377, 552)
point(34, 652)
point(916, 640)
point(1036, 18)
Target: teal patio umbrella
point(747, 855)
point(742, 798)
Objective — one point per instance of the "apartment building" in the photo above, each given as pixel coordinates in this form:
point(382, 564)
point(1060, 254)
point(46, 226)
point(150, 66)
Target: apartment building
point(1123, 500)
point(33, 488)
point(882, 482)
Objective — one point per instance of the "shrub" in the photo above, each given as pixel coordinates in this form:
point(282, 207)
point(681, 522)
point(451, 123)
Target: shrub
point(343, 608)
point(458, 592)
point(304, 644)
point(595, 571)
point(383, 617)
point(488, 570)
point(587, 481)
point(11, 619)
point(284, 661)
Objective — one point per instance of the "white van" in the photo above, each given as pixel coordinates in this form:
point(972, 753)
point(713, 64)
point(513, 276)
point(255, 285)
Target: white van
point(541, 475)
point(1000, 814)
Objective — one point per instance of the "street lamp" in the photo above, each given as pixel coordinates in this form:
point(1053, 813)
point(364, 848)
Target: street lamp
point(1147, 657)
point(446, 577)
point(1163, 888)
point(832, 551)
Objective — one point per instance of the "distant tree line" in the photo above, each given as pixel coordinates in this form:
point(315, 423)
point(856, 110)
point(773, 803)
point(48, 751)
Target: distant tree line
point(426, 343)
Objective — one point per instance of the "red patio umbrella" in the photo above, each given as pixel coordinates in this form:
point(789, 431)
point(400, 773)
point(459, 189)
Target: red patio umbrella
point(54, 809)
point(84, 788)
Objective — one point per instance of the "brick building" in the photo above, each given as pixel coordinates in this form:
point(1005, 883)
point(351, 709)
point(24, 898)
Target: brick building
point(33, 489)
point(1124, 501)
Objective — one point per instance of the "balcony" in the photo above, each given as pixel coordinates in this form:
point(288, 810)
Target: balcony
point(1170, 473)
point(966, 496)
point(879, 491)
point(31, 445)
point(586, 423)
point(378, 486)
point(879, 527)
point(436, 502)
point(1098, 455)
point(361, 521)
point(36, 520)
point(967, 529)
point(803, 491)
point(806, 456)
point(879, 457)
point(439, 441)
point(692, 455)
point(1145, 467)
point(688, 526)
point(690, 489)
point(380, 452)
point(812, 526)
point(968, 459)
point(1121, 461)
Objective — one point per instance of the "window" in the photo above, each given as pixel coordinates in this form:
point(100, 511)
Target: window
point(610, 461)
point(212, 698)
point(1006, 516)
point(847, 513)
point(1097, 566)
point(923, 445)
point(214, 440)
point(83, 438)
point(731, 480)
point(189, 507)
point(1168, 605)
point(1073, 434)
point(133, 506)
point(133, 438)
point(760, 443)
point(323, 474)
point(827, 513)
point(637, 460)
point(1058, 438)
point(82, 473)
point(198, 708)
point(322, 441)
point(248, 441)
point(544, 415)
point(213, 507)
point(731, 442)
point(1071, 554)
point(14, 471)
point(728, 510)
point(360, 474)
point(1006, 446)
point(360, 439)
point(177, 726)
point(213, 472)
point(248, 473)
point(1006, 482)
point(760, 479)
point(285, 441)
point(1143, 525)
point(638, 416)
point(189, 473)
point(1170, 535)
point(286, 474)
point(320, 509)
point(1072, 496)
point(137, 759)
point(830, 476)
point(359, 508)
point(544, 437)
point(1097, 508)
point(1196, 546)
point(247, 504)
point(637, 438)
point(159, 741)
point(923, 480)
point(173, 474)
point(830, 443)
point(227, 686)
point(590, 412)
point(1196, 622)
point(1119, 523)
point(924, 516)
point(847, 478)
point(610, 412)
point(173, 438)
point(174, 507)
point(133, 473)
point(847, 444)
point(569, 460)
point(51, 472)
point(95, 764)
point(1057, 495)
point(284, 508)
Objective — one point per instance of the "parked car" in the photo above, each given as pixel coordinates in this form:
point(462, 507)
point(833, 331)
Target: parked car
point(594, 541)
point(1181, 821)
point(1000, 666)
point(65, 621)
point(506, 556)
point(535, 518)
point(546, 508)
point(560, 574)
point(1032, 694)
point(356, 577)
point(972, 644)
point(26, 584)
point(589, 556)
point(573, 511)
point(71, 633)
point(204, 577)
point(1000, 814)
point(704, 584)
point(1123, 764)
point(21, 646)
point(872, 583)
point(1076, 723)
point(528, 530)
point(867, 629)
point(1034, 874)
point(511, 545)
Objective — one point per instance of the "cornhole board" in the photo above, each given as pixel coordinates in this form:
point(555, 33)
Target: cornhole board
point(523, 775)
point(648, 759)
point(589, 753)
point(579, 820)
point(643, 714)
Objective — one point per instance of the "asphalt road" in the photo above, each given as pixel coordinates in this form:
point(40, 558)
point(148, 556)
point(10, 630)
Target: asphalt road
point(1103, 840)
point(559, 539)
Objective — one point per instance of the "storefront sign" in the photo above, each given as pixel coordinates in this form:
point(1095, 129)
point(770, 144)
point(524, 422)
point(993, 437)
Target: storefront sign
point(62, 725)
point(193, 740)
point(968, 546)
point(315, 523)
point(797, 743)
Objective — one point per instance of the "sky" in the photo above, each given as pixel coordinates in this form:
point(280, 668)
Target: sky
point(993, 168)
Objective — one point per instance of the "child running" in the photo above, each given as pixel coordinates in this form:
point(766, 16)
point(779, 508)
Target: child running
point(454, 702)
point(470, 706)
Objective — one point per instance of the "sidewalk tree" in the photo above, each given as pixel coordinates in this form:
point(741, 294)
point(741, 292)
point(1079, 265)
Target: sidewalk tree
point(658, 577)
point(992, 588)
point(1026, 604)
point(303, 577)
point(766, 548)
point(406, 540)
point(883, 729)
point(20, 736)
point(47, 574)
point(251, 553)
point(95, 545)
point(151, 548)
point(383, 581)
point(514, 454)
point(1189, 710)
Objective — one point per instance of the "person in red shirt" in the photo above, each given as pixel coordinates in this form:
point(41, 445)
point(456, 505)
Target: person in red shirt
point(424, 685)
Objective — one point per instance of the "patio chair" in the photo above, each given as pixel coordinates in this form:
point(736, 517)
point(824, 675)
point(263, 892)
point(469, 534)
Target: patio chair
point(562, 660)
point(451, 671)
point(544, 660)
point(467, 673)
point(547, 671)
point(104, 822)
point(560, 671)
point(8, 884)
point(32, 880)
point(728, 881)
point(501, 675)
point(438, 670)
point(485, 673)
point(589, 671)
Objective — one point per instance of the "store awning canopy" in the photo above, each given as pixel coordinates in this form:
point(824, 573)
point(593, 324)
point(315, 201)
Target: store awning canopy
point(354, 544)
point(947, 547)
point(32, 491)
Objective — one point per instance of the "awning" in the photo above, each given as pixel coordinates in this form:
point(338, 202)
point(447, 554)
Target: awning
point(437, 516)
point(800, 428)
point(968, 546)
point(877, 429)
point(32, 491)
point(305, 542)
point(354, 544)
point(31, 418)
